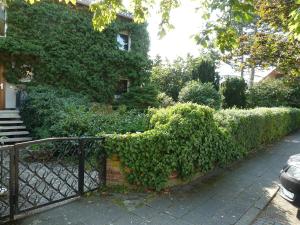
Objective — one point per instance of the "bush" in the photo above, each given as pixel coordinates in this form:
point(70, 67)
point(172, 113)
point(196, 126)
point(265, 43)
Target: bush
point(187, 138)
point(272, 93)
point(139, 97)
point(234, 92)
point(294, 94)
point(199, 93)
point(52, 112)
point(164, 100)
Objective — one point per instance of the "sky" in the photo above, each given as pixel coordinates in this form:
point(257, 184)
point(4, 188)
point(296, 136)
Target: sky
point(179, 42)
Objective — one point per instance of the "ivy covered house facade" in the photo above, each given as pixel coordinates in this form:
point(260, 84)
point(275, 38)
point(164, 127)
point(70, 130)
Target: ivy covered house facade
point(51, 43)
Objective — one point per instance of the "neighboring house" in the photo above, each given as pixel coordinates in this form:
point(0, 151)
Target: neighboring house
point(274, 74)
point(129, 48)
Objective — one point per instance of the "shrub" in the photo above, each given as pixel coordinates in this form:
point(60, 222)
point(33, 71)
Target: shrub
point(187, 138)
point(294, 94)
point(56, 112)
point(272, 93)
point(164, 100)
point(199, 93)
point(234, 92)
point(139, 97)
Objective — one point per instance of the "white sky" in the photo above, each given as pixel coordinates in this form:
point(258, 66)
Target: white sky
point(179, 42)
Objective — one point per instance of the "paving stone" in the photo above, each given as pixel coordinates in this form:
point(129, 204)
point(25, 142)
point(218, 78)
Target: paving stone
point(249, 216)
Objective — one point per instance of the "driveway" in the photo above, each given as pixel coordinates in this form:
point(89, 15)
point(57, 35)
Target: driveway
point(231, 196)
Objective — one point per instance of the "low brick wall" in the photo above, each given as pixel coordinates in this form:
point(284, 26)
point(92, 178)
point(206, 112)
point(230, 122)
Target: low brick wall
point(114, 173)
point(116, 176)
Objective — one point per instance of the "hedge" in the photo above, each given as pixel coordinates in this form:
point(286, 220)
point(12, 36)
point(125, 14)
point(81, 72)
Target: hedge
point(189, 138)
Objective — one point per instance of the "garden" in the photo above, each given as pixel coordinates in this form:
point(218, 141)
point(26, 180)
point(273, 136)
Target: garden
point(185, 131)
point(178, 117)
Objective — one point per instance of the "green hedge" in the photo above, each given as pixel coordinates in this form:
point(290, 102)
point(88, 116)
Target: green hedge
point(188, 138)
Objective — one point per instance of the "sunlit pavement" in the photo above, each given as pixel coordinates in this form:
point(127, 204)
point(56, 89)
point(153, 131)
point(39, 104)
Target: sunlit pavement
point(278, 212)
point(234, 196)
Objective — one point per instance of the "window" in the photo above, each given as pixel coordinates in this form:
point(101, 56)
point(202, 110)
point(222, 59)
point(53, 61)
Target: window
point(2, 21)
point(123, 40)
point(122, 87)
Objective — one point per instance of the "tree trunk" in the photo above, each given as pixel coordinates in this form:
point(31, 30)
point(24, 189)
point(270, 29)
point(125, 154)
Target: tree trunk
point(252, 75)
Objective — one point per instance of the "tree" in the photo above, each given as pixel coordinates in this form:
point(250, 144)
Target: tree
point(265, 31)
point(277, 13)
point(234, 92)
point(171, 77)
point(204, 70)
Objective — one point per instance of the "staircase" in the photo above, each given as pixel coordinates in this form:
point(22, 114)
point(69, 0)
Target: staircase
point(12, 129)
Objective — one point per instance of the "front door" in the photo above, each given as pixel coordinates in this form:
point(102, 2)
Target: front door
point(2, 87)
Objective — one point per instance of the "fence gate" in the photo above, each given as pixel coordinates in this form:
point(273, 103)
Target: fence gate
point(39, 173)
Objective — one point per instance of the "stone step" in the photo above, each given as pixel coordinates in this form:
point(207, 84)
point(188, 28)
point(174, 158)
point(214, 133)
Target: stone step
point(3, 122)
point(12, 127)
point(15, 140)
point(10, 116)
point(13, 133)
point(9, 111)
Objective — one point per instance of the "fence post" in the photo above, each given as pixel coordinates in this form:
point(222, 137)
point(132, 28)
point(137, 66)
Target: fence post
point(102, 163)
point(81, 168)
point(13, 181)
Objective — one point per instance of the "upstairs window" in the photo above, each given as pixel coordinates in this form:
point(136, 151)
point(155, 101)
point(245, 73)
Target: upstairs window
point(124, 41)
point(2, 21)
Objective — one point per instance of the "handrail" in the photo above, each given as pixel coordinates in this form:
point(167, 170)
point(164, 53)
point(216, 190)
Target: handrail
point(39, 141)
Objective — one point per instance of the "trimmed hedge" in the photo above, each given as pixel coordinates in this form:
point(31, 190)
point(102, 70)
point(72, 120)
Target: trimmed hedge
point(189, 138)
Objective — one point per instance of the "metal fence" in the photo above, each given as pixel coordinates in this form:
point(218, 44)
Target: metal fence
point(39, 173)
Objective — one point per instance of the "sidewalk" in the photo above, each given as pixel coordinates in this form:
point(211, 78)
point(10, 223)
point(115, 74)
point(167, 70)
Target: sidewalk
point(234, 196)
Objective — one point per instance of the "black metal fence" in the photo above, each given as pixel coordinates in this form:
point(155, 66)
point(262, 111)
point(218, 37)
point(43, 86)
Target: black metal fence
point(39, 173)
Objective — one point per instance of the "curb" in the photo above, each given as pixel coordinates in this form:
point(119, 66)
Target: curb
point(249, 217)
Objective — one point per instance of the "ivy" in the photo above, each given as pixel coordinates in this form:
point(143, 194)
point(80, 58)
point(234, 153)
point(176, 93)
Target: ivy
point(189, 138)
point(61, 45)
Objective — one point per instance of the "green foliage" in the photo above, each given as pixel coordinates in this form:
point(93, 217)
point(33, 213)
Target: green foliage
point(188, 138)
point(164, 100)
point(140, 97)
point(170, 78)
point(66, 51)
point(201, 93)
point(204, 70)
point(294, 94)
point(183, 138)
point(263, 33)
point(249, 129)
point(234, 91)
point(53, 112)
point(271, 93)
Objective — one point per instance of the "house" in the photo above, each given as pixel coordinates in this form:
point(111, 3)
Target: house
point(126, 52)
point(274, 74)
point(55, 44)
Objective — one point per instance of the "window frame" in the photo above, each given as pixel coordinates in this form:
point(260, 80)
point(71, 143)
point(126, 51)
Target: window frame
point(129, 40)
point(5, 20)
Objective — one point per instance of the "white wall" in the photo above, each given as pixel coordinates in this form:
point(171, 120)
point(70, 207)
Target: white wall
point(10, 96)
